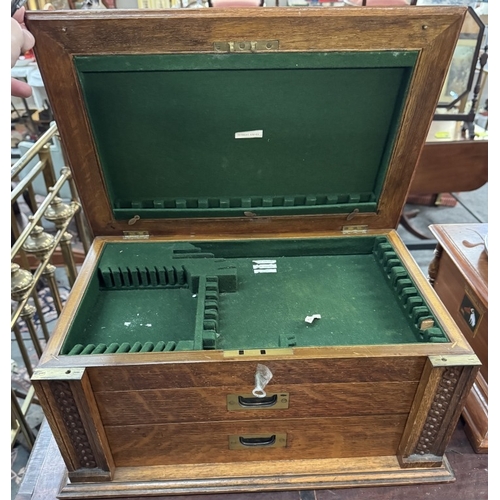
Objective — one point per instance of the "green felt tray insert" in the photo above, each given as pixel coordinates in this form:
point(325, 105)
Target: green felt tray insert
point(158, 296)
point(165, 130)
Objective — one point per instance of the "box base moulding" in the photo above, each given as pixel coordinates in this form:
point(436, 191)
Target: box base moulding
point(257, 476)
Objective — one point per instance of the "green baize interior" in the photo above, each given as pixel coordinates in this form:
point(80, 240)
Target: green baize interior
point(158, 296)
point(166, 130)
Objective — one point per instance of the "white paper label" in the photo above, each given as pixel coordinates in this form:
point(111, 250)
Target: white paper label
point(310, 319)
point(249, 134)
point(264, 266)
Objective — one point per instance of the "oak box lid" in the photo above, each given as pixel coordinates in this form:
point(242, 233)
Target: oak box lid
point(213, 122)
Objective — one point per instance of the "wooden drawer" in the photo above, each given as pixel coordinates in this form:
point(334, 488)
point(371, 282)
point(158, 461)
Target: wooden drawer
point(209, 442)
point(297, 401)
point(145, 374)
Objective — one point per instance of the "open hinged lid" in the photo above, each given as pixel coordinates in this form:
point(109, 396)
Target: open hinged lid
point(212, 122)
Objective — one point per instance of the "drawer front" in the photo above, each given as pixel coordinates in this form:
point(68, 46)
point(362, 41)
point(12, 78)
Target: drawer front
point(240, 373)
point(282, 402)
point(223, 442)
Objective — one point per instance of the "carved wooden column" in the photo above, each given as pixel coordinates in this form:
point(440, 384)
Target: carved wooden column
point(445, 383)
point(73, 411)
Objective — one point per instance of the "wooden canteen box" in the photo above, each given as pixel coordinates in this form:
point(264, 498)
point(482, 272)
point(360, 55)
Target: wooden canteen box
point(247, 317)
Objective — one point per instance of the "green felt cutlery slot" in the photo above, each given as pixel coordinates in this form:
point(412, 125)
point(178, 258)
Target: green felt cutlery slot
point(249, 294)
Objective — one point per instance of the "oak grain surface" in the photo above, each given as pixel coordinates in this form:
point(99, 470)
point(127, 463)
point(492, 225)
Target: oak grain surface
point(460, 270)
point(241, 373)
point(307, 438)
point(45, 474)
point(210, 403)
point(61, 35)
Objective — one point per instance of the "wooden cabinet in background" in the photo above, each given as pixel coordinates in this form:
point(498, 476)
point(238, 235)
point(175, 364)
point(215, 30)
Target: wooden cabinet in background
point(459, 273)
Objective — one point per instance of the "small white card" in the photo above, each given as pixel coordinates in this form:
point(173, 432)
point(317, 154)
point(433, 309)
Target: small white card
point(264, 266)
point(249, 134)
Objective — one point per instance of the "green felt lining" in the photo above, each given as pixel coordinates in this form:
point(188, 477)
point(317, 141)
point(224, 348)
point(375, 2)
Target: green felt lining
point(161, 297)
point(165, 130)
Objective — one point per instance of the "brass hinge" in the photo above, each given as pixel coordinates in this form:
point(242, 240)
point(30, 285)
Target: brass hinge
point(135, 235)
point(354, 229)
point(257, 46)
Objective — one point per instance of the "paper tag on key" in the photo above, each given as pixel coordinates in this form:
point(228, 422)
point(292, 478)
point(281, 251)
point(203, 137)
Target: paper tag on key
point(262, 377)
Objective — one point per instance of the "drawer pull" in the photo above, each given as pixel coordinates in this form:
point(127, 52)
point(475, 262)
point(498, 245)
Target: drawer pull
point(254, 402)
point(272, 401)
point(248, 441)
point(258, 441)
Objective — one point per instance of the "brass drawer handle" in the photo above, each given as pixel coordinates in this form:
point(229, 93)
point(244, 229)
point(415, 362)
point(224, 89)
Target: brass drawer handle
point(253, 402)
point(248, 441)
point(258, 441)
point(273, 401)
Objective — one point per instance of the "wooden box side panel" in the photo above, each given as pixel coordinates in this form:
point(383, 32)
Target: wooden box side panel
point(56, 341)
point(443, 315)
